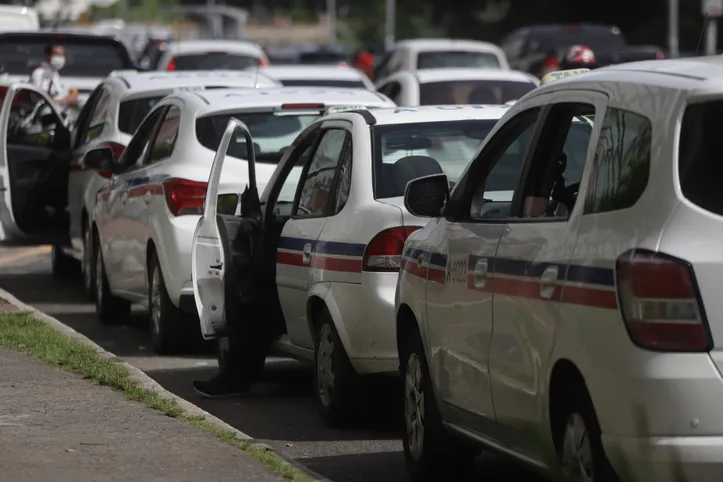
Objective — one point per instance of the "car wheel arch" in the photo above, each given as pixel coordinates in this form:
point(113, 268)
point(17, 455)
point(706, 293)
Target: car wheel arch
point(406, 324)
point(321, 299)
point(564, 375)
point(150, 251)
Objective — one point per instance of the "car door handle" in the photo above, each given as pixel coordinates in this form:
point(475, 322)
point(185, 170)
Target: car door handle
point(548, 282)
point(218, 267)
point(306, 256)
point(481, 269)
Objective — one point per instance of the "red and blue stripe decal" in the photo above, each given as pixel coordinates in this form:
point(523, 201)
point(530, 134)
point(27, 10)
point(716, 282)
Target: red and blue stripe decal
point(578, 285)
point(326, 255)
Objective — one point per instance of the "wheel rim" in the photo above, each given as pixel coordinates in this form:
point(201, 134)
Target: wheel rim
point(155, 301)
point(325, 365)
point(414, 406)
point(87, 262)
point(98, 277)
point(577, 462)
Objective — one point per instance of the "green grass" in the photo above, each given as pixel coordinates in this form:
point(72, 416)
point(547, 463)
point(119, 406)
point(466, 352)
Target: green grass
point(25, 333)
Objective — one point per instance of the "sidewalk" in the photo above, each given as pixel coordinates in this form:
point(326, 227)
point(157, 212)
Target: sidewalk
point(57, 427)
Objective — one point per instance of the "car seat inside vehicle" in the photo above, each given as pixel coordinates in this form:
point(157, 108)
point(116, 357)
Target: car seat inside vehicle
point(407, 169)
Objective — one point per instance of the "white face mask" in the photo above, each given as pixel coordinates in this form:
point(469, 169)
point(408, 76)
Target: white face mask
point(57, 62)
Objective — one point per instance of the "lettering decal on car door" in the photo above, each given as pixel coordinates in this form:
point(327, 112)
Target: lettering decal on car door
point(457, 269)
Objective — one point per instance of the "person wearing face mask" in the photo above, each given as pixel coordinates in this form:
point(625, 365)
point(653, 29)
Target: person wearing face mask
point(46, 76)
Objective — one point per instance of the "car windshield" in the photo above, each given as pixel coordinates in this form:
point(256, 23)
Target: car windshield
point(350, 84)
point(84, 57)
point(451, 59)
point(403, 152)
point(272, 132)
point(478, 92)
point(214, 61)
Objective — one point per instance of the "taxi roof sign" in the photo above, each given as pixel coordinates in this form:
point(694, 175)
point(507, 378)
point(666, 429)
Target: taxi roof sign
point(189, 88)
point(343, 108)
point(120, 72)
point(561, 74)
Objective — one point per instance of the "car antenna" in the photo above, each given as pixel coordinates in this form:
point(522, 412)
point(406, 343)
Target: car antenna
point(702, 32)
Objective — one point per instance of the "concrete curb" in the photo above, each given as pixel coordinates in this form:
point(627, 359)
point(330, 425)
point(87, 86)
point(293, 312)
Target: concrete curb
point(147, 382)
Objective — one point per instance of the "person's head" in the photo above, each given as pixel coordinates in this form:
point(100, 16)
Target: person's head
point(55, 56)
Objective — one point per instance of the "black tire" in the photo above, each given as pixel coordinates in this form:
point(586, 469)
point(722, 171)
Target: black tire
point(338, 405)
point(578, 409)
point(438, 455)
point(87, 266)
point(63, 266)
point(110, 309)
point(172, 330)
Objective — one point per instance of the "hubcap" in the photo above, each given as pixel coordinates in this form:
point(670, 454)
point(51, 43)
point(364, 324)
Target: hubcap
point(98, 277)
point(155, 301)
point(324, 365)
point(87, 262)
point(414, 406)
point(576, 451)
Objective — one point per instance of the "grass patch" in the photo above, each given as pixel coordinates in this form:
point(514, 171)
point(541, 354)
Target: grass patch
point(25, 333)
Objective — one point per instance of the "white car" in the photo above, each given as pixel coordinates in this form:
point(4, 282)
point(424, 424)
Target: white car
point(334, 225)
point(319, 76)
point(457, 86)
point(18, 17)
point(420, 54)
point(145, 215)
point(212, 54)
point(576, 326)
point(110, 117)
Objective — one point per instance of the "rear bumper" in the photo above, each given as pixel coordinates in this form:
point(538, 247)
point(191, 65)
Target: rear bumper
point(666, 459)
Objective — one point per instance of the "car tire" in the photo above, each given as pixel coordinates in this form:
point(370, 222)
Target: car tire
point(63, 266)
point(430, 452)
point(110, 309)
point(337, 386)
point(88, 265)
point(584, 459)
point(172, 330)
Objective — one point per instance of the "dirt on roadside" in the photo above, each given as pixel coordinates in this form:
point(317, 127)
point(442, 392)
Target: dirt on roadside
point(6, 307)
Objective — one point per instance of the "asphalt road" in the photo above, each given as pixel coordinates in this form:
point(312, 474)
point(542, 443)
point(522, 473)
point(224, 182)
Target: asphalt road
point(280, 411)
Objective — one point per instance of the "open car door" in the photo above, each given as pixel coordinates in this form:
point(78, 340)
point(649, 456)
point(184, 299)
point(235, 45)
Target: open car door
point(34, 163)
point(218, 251)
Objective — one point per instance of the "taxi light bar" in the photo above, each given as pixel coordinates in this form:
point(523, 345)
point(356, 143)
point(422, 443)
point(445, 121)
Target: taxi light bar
point(184, 196)
point(660, 304)
point(384, 251)
point(561, 74)
point(309, 105)
point(336, 109)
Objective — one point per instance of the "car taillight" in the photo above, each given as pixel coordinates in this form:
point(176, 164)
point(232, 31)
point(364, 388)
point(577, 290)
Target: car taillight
point(660, 304)
point(171, 65)
point(184, 196)
point(660, 56)
point(263, 62)
point(384, 251)
point(549, 64)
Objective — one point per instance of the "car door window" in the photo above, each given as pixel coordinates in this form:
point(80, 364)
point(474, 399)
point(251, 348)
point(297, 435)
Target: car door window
point(492, 180)
point(139, 144)
point(97, 119)
point(81, 125)
point(166, 136)
point(557, 165)
point(32, 121)
point(317, 180)
point(343, 184)
point(290, 186)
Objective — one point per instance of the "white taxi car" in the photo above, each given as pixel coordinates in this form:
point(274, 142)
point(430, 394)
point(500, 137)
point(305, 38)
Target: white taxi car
point(422, 54)
point(581, 336)
point(210, 54)
point(145, 215)
point(457, 86)
point(112, 114)
point(319, 76)
point(334, 225)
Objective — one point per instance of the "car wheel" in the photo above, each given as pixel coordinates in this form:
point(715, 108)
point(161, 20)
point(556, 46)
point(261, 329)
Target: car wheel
point(63, 266)
point(109, 309)
point(430, 452)
point(581, 454)
point(336, 383)
point(88, 266)
point(172, 330)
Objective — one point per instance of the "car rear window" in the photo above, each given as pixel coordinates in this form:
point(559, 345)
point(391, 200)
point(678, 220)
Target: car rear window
point(699, 165)
point(84, 57)
point(473, 92)
point(214, 60)
point(454, 59)
point(403, 152)
point(272, 132)
point(352, 84)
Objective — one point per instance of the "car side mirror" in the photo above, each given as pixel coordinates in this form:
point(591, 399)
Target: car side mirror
point(427, 196)
point(100, 159)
